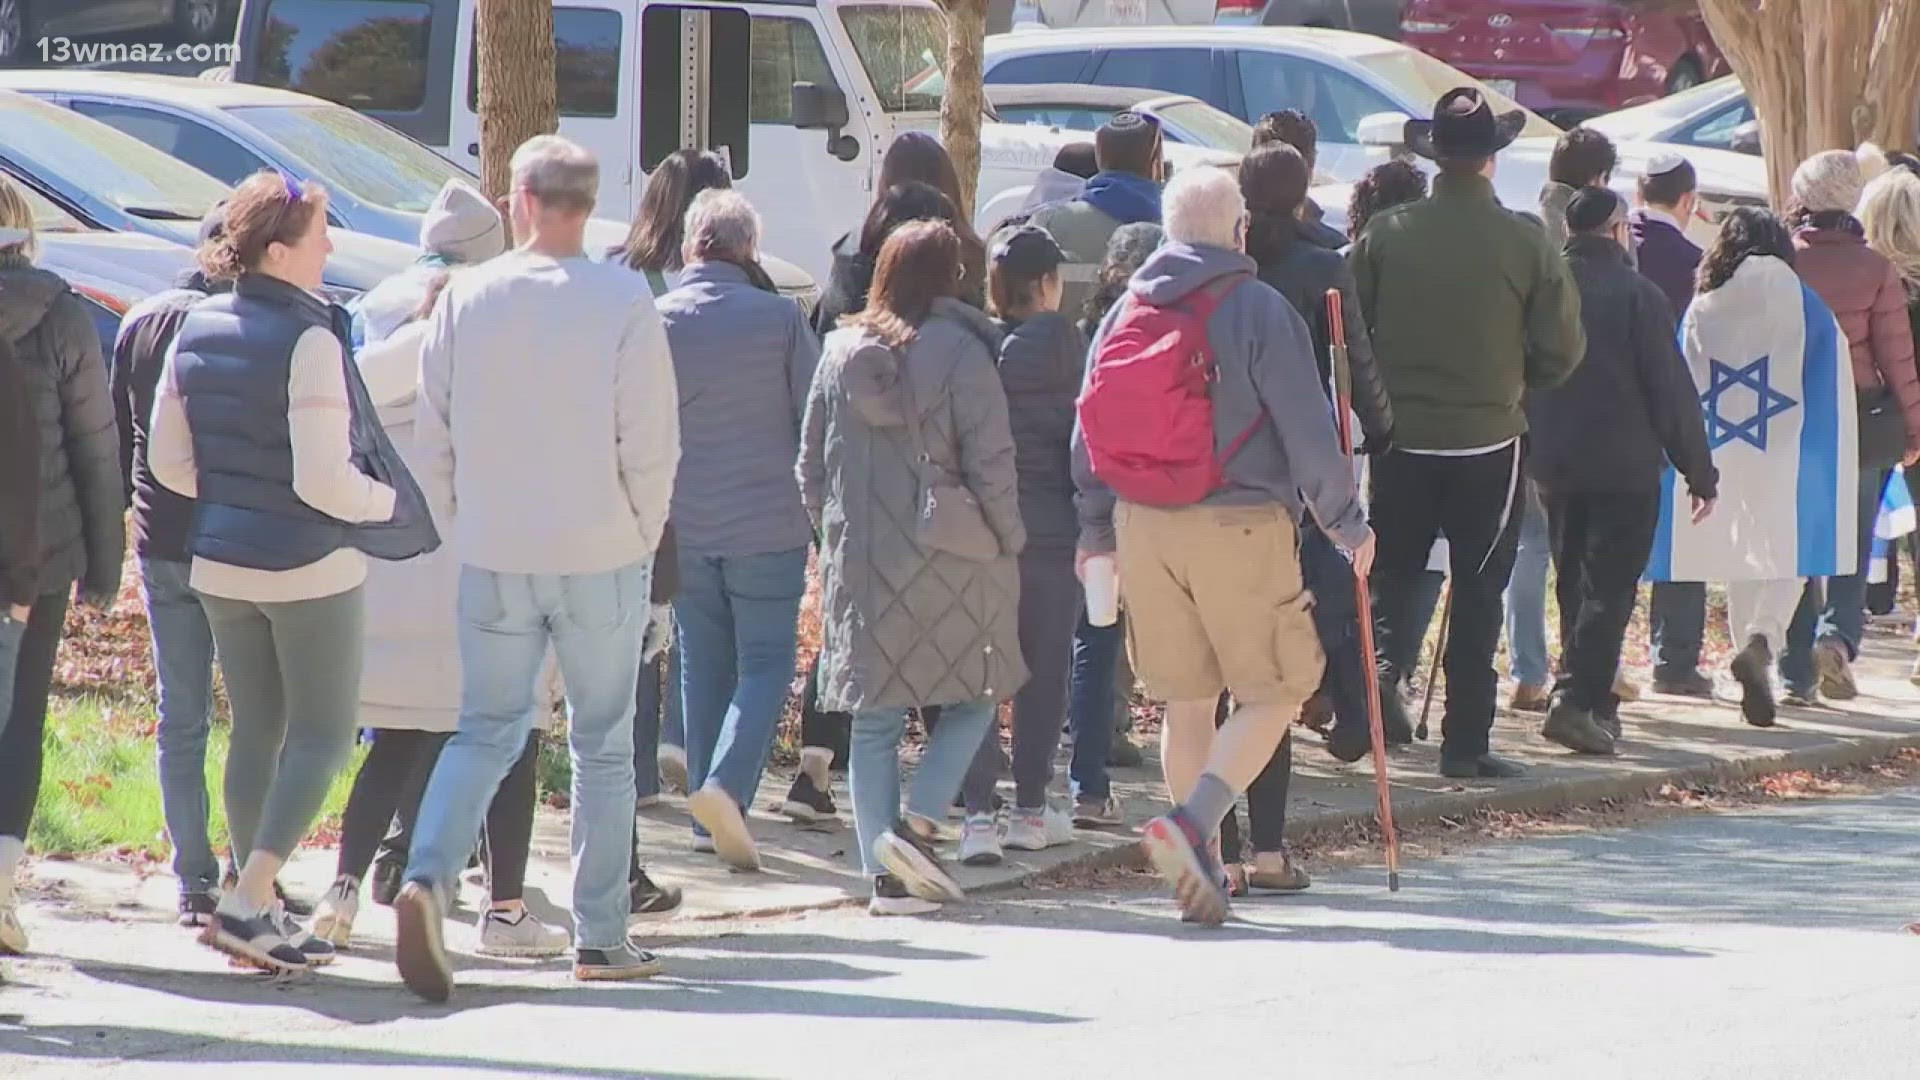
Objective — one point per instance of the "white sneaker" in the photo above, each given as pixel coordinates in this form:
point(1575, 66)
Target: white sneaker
point(333, 916)
point(714, 809)
point(672, 761)
point(13, 936)
point(980, 841)
point(890, 897)
point(1027, 830)
point(1059, 820)
point(520, 934)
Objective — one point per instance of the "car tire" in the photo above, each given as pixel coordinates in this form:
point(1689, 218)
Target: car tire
point(1686, 75)
point(17, 29)
point(199, 20)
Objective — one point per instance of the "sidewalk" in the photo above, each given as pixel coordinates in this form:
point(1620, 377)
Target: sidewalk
point(1668, 740)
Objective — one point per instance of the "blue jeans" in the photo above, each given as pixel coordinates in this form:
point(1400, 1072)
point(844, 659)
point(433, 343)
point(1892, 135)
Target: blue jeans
point(737, 619)
point(183, 660)
point(594, 623)
point(874, 773)
point(1527, 597)
point(1096, 649)
point(1839, 610)
point(658, 693)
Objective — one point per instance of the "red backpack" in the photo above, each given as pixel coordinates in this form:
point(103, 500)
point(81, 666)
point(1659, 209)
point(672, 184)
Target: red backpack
point(1147, 413)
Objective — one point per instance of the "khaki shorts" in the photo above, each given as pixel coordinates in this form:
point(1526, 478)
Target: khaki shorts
point(1215, 601)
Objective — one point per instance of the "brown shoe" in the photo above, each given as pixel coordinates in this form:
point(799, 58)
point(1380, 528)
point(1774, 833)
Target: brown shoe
point(1528, 698)
point(1273, 871)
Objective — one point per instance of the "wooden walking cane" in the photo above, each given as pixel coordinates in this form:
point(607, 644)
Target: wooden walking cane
point(1363, 600)
point(1433, 670)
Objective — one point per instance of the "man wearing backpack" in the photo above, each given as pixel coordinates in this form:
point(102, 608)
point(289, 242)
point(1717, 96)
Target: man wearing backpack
point(1469, 305)
point(1125, 190)
point(1203, 435)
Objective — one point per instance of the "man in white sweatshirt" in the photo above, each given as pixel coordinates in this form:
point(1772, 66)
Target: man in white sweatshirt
point(548, 417)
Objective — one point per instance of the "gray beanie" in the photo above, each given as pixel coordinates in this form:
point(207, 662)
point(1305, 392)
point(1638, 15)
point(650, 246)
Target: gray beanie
point(461, 226)
point(1131, 244)
point(1830, 180)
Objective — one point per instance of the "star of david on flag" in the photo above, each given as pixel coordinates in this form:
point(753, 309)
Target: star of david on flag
point(1723, 428)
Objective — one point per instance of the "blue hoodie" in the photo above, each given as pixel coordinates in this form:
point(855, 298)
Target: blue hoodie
point(1124, 197)
point(1266, 366)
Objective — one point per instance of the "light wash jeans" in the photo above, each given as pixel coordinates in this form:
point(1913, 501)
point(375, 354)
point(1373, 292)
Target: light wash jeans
point(183, 660)
point(594, 623)
point(1527, 598)
point(874, 768)
point(737, 618)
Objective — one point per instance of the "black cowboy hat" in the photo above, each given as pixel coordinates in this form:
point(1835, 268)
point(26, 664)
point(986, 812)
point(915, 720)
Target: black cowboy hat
point(1464, 125)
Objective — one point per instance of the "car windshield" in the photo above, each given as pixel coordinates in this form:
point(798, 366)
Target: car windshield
point(1419, 77)
point(1210, 126)
point(363, 157)
point(1658, 117)
point(70, 153)
point(902, 49)
point(49, 218)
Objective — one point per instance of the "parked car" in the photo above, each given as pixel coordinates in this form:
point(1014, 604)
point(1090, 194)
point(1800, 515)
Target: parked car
point(1378, 17)
point(108, 180)
point(1359, 89)
point(1714, 115)
point(24, 22)
point(1570, 59)
point(1183, 119)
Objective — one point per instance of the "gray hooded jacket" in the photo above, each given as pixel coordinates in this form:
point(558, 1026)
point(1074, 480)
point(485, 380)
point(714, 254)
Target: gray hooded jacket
point(1266, 374)
point(904, 626)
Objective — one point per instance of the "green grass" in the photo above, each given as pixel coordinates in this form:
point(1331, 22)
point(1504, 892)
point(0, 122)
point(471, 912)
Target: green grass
point(99, 790)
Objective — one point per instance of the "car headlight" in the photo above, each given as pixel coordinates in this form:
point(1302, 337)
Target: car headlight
point(339, 294)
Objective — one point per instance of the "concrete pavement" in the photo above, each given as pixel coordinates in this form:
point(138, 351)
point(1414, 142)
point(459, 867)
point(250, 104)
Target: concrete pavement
point(1709, 946)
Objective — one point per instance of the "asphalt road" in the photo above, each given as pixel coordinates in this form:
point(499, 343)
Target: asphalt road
point(1763, 944)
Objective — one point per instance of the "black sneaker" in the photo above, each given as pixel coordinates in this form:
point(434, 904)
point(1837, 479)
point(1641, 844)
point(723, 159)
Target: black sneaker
point(387, 879)
point(1684, 684)
point(890, 897)
point(1750, 669)
point(197, 908)
point(614, 965)
point(297, 908)
point(318, 951)
point(1608, 718)
point(807, 805)
point(911, 858)
point(255, 940)
point(652, 901)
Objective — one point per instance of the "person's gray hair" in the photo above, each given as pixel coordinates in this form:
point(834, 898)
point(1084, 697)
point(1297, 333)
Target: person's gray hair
point(1203, 206)
point(721, 225)
point(559, 173)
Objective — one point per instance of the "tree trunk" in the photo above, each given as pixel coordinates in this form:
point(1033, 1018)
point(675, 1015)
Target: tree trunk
point(1822, 75)
point(518, 100)
point(966, 97)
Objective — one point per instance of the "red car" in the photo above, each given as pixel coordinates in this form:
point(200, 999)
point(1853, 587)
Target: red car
point(1569, 59)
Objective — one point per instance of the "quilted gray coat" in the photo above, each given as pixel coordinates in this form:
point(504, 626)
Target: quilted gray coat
point(904, 626)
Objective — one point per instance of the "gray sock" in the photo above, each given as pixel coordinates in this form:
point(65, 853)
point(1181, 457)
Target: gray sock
point(1212, 797)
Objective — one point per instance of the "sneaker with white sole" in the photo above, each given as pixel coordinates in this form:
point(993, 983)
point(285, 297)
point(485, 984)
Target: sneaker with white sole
point(672, 761)
point(650, 901)
point(1183, 859)
point(420, 947)
point(1099, 813)
point(333, 918)
point(626, 962)
point(519, 934)
point(890, 897)
point(253, 938)
point(318, 953)
point(980, 841)
point(13, 936)
point(911, 858)
point(716, 812)
point(1059, 819)
point(1027, 830)
point(197, 906)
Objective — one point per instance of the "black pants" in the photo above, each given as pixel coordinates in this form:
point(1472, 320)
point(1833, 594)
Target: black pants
point(1050, 601)
point(22, 743)
point(1417, 497)
point(1266, 800)
point(1600, 546)
point(831, 730)
point(385, 803)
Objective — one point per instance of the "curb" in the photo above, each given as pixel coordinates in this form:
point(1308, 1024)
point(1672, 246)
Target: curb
point(1541, 799)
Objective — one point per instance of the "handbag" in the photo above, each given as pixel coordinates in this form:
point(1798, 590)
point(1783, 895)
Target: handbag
point(410, 531)
point(1882, 429)
point(950, 518)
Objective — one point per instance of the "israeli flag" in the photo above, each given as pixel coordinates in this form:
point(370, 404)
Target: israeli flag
point(1776, 386)
point(1896, 520)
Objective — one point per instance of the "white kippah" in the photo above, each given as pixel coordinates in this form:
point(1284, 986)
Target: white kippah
point(1663, 163)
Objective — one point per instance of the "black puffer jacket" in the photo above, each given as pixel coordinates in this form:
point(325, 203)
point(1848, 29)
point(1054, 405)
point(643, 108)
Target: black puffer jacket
point(19, 486)
point(1303, 271)
point(1042, 361)
point(847, 285)
point(82, 533)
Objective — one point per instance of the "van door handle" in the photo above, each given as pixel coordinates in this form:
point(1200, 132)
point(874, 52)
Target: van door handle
point(473, 149)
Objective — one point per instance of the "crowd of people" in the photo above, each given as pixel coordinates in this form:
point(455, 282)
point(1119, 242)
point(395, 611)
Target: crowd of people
point(522, 473)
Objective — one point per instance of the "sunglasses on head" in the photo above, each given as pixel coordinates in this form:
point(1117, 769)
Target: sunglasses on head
point(292, 192)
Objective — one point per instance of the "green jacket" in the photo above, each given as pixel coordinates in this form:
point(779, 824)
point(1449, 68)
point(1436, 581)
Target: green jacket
point(1469, 306)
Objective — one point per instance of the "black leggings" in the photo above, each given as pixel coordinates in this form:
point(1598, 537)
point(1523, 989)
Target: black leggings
point(22, 741)
point(1266, 800)
point(385, 802)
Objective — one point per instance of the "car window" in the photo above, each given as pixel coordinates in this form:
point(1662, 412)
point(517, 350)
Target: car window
point(1209, 126)
point(1716, 128)
point(586, 62)
point(1176, 71)
point(784, 52)
point(1335, 100)
point(1069, 117)
point(903, 51)
point(47, 216)
point(1060, 67)
point(365, 54)
point(200, 146)
point(75, 157)
point(356, 154)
